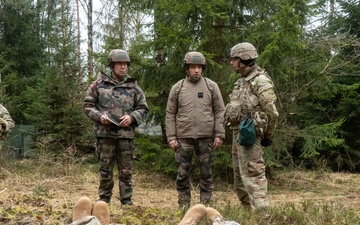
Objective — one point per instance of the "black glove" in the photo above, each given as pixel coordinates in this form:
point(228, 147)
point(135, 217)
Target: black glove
point(266, 142)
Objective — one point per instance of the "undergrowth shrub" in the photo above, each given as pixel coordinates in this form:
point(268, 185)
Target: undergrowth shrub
point(156, 156)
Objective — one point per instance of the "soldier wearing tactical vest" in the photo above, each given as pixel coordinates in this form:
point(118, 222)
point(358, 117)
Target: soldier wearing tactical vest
point(6, 123)
point(194, 124)
point(117, 105)
point(253, 96)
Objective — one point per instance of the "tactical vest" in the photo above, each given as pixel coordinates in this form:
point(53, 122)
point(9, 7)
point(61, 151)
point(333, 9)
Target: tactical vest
point(244, 101)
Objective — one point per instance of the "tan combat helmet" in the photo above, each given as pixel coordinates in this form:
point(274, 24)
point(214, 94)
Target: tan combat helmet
point(118, 55)
point(245, 51)
point(194, 58)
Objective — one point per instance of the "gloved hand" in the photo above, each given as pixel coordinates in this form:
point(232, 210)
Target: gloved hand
point(265, 142)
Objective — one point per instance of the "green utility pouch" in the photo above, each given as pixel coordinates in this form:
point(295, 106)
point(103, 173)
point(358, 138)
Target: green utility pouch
point(247, 133)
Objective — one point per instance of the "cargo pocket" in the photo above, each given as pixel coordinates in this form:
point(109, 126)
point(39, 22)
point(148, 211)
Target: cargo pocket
point(232, 113)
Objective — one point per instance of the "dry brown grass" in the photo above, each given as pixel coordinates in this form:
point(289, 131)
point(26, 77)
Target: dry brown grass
point(299, 186)
point(33, 192)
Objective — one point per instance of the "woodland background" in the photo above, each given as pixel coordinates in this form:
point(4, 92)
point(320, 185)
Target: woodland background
point(50, 52)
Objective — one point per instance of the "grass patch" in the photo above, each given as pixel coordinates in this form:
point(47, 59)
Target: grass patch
point(44, 192)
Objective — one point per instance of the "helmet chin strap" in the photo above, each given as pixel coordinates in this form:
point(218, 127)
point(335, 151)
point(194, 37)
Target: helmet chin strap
point(240, 67)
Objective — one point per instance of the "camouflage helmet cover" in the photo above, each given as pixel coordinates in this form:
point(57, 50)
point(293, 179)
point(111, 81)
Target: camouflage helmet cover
point(118, 55)
point(194, 58)
point(244, 51)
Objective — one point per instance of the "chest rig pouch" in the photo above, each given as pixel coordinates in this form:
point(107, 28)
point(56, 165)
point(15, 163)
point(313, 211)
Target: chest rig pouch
point(245, 109)
point(233, 108)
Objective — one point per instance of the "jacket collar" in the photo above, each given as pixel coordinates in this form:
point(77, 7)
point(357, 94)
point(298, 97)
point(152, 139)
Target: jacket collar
point(254, 71)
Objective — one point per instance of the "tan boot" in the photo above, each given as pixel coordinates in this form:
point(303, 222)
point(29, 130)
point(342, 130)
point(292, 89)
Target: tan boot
point(193, 215)
point(212, 213)
point(102, 212)
point(82, 208)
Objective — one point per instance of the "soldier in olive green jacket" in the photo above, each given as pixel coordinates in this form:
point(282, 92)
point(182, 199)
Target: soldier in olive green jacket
point(253, 96)
point(194, 124)
point(117, 105)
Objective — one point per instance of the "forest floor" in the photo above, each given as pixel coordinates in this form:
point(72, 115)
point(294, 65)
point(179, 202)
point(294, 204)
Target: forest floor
point(43, 194)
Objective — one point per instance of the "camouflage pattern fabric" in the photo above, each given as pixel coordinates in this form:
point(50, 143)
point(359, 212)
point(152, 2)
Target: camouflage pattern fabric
point(250, 182)
point(253, 94)
point(6, 122)
point(109, 151)
point(106, 96)
point(204, 156)
point(238, 184)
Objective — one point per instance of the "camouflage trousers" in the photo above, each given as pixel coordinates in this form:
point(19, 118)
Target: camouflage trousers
point(249, 173)
point(204, 151)
point(109, 151)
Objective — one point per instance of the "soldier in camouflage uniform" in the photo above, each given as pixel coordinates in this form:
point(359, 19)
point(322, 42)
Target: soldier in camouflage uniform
point(6, 122)
point(252, 95)
point(194, 124)
point(117, 105)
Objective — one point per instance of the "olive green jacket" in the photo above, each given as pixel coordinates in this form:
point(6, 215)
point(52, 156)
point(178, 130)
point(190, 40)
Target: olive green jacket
point(195, 110)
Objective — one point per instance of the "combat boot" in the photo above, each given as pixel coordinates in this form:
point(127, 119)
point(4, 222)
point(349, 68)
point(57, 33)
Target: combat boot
point(105, 199)
point(126, 201)
point(245, 202)
point(184, 203)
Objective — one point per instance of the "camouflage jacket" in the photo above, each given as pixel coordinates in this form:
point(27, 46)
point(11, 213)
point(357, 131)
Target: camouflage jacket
point(253, 94)
point(195, 110)
point(106, 96)
point(6, 122)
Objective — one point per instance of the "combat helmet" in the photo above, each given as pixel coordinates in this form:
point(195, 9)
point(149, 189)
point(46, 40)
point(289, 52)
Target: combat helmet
point(194, 58)
point(244, 51)
point(118, 55)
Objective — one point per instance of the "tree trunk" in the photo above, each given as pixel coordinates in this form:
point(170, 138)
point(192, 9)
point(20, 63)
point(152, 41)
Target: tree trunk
point(78, 35)
point(90, 39)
